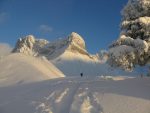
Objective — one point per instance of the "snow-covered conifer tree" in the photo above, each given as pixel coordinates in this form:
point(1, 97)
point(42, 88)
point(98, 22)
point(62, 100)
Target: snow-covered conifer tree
point(133, 46)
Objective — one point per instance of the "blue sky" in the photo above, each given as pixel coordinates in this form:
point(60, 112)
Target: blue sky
point(97, 21)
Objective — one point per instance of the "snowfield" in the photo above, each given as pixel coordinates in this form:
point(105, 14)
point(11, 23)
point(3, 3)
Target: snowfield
point(38, 76)
point(78, 95)
point(43, 77)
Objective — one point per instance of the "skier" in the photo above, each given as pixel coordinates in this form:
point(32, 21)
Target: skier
point(81, 74)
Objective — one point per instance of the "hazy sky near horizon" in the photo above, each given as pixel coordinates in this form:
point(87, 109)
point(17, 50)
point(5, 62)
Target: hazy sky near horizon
point(97, 21)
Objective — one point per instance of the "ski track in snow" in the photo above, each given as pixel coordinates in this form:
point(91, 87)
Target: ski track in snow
point(79, 96)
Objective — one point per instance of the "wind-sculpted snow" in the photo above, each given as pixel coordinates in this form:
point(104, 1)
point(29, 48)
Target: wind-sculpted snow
point(19, 69)
point(78, 95)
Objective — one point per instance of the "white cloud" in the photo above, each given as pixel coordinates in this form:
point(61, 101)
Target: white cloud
point(45, 28)
point(5, 49)
point(3, 17)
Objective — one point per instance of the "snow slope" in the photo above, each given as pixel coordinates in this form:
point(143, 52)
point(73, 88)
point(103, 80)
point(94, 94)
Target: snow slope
point(5, 49)
point(72, 64)
point(69, 55)
point(78, 95)
point(20, 68)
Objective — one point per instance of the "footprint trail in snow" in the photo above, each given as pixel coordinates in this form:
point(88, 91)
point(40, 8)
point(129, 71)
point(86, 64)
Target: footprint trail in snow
point(75, 98)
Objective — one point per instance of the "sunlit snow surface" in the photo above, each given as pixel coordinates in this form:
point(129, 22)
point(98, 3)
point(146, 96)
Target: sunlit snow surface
point(20, 69)
point(103, 94)
point(31, 84)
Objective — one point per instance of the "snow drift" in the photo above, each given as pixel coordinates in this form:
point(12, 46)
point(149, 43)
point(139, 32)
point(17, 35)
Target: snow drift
point(20, 69)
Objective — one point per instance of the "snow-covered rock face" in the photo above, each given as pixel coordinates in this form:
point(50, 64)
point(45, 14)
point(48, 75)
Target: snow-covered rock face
point(38, 47)
point(77, 44)
point(29, 45)
point(77, 39)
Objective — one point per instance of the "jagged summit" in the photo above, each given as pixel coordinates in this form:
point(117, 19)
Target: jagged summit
point(77, 39)
point(39, 47)
point(29, 45)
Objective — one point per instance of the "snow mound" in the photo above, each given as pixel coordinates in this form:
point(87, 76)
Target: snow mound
point(19, 69)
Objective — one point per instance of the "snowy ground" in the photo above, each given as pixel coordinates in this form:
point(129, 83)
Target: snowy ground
point(78, 95)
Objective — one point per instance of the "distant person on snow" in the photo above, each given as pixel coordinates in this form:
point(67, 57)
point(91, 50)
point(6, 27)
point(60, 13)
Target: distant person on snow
point(142, 75)
point(81, 74)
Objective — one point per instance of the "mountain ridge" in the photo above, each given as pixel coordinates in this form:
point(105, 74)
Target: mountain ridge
point(39, 47)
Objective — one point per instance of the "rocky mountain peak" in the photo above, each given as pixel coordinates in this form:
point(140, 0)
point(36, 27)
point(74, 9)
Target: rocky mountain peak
point(29, 45)
point(77, 39)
